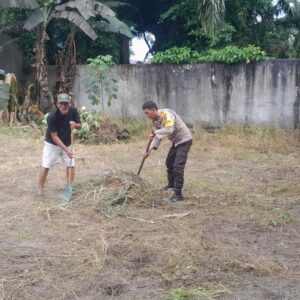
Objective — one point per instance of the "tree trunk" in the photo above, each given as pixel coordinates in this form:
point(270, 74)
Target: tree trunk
point(124, 50)
point(43, 98)
point(66, 62)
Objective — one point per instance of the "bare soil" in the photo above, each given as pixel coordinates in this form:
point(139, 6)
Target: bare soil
point(236, 236)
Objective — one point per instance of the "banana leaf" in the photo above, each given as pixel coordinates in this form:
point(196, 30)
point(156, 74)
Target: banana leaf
point(4, 95)
point(26, 4)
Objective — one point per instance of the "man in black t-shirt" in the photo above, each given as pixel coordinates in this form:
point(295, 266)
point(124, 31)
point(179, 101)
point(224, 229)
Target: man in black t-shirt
point(58, 139)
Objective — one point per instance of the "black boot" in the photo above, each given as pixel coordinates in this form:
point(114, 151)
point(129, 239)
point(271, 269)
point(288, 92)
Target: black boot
point(177, 196)
point(167, 188)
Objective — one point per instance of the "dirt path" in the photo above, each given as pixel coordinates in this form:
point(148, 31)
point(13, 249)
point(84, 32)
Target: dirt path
point(236, 237)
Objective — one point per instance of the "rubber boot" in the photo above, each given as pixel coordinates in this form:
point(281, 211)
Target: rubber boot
point(177, 196)
point(167, 188)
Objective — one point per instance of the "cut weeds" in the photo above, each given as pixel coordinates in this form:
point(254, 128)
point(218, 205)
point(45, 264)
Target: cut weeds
point(114, 191)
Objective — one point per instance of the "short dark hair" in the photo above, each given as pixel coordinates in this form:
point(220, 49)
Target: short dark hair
point(150, 105)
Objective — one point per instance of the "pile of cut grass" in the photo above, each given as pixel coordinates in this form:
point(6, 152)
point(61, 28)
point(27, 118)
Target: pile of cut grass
point(112, 192)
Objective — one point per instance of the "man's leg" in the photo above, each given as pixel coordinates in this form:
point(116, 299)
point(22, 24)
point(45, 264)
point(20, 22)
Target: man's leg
point(42, 179)
point(70, 165)
point(178, 168)
point(50, 155)
point(169, 164)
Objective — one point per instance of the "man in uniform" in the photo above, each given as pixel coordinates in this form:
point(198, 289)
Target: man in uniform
point(168, 124)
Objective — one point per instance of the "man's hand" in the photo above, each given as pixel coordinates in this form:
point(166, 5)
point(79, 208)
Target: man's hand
point(70, 153)
point(146, 154)
point(73, 125)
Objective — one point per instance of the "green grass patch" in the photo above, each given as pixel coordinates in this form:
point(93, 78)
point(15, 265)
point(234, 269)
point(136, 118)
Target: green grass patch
point(193, 293)
point(24, 235)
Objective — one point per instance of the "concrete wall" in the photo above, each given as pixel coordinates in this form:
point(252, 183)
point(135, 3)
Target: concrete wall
point(213, 94)
point(11, 58)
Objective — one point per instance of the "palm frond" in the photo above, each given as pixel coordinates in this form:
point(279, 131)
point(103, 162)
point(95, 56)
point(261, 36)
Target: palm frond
point(77, 20)
point(295, 9)
point(25, 4)
point(211, 14)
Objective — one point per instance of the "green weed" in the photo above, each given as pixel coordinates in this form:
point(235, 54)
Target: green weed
point(195, 293)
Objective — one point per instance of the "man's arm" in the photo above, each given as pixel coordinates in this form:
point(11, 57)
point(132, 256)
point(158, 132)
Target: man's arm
point(168, 127)
point(76, 122)
point(75, 125)
point(158, 135)
point(59, 143)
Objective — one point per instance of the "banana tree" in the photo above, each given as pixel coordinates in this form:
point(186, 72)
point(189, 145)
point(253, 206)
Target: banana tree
point(88, 9)
point(77, 12)
point(39, 20)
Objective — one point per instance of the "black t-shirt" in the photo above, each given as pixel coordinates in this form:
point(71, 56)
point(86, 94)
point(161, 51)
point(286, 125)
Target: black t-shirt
point(61, 124)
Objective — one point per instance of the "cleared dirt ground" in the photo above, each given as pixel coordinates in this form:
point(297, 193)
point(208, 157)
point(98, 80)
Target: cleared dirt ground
point(237, 235)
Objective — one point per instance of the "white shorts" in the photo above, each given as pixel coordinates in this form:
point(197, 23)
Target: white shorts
point(52, 153)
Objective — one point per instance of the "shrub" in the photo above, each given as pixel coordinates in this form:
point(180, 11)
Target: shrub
point(229, 55)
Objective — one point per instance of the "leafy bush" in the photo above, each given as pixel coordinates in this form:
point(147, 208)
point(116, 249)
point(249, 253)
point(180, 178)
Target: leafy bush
point(229, 55)
point(234, 54)
point(89, 121)
point(101, 83)
point(176, 55)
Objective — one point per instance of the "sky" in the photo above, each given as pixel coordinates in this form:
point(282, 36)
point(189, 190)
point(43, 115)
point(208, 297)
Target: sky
point(139, 48)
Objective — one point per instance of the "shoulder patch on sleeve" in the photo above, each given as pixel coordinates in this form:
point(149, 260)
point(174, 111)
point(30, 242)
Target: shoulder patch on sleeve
point(167, 119)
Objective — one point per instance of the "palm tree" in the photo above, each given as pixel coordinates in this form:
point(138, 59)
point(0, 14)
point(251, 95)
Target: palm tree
point(211, 14)
point(77, 12)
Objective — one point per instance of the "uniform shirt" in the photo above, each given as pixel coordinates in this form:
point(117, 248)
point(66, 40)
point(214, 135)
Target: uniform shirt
point(61, 124)
point(170, 125)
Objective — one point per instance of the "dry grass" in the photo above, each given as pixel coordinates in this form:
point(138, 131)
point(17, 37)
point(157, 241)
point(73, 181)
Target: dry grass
point(115, 191)
point(253, 143)
point(236, 236)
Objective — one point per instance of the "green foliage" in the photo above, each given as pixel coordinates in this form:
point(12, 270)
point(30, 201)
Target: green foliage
point(234, 54)
point(229, 55)
point(273, 26)
point(101, 83)
point(27, 42)
point(176, 55)
point(97, 128)
point(89, 121)
point(49, 3)
point(106, 43)
point(287, 217)
point(181, 294)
